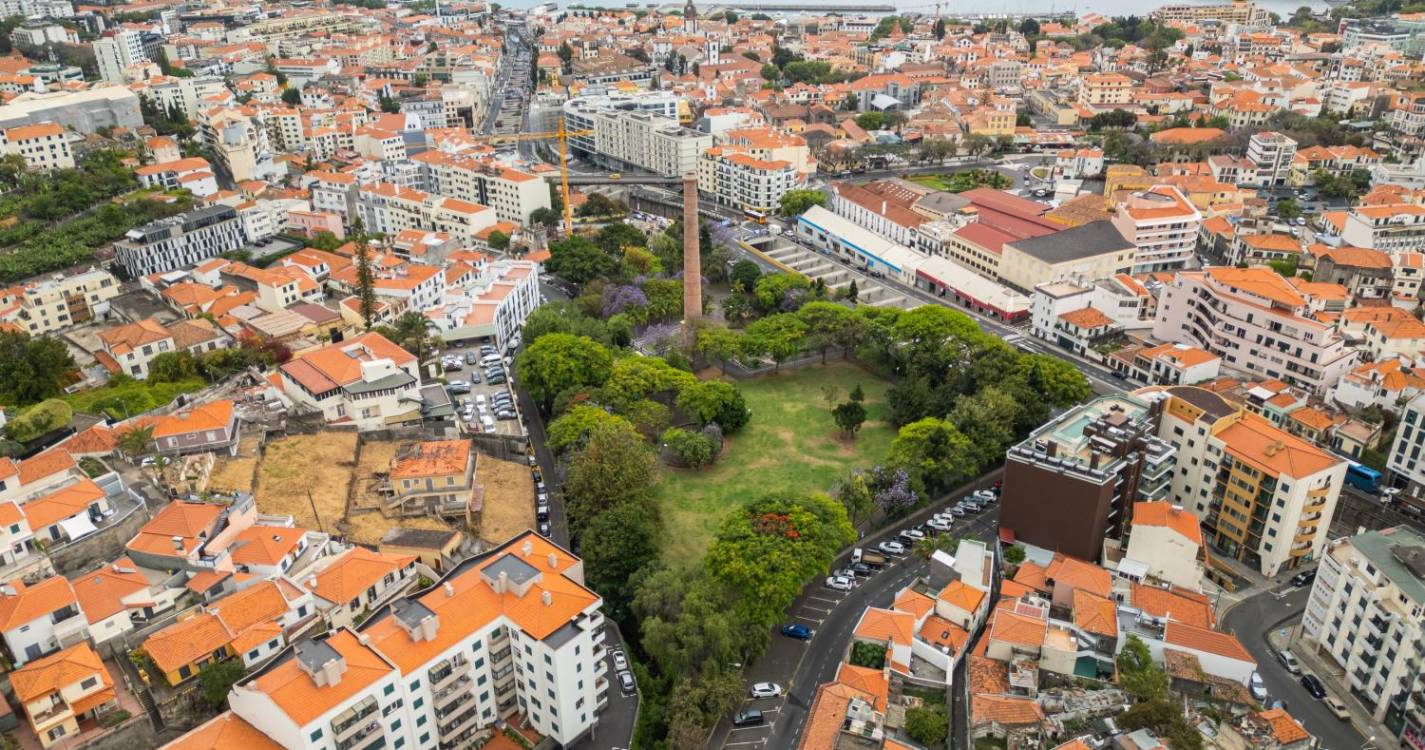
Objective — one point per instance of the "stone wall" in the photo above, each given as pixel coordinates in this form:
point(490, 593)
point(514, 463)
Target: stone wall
point(103, 546)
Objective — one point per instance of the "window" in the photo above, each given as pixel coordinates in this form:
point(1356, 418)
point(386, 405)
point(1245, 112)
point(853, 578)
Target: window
point(425, 738)
point(421, 721)
point(389, 689)
point(317, 735)
point(417, 703)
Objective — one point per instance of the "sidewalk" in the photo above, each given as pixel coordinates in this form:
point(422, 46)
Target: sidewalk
point(1321, 665)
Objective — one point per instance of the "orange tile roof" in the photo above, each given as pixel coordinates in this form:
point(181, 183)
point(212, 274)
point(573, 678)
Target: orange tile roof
point(1032, 575)
point(1285, 729)
point(434, 458)
point(57, 671)
point(827, 715)
point(1077, 574)
point(353, 572)
point(1254, 440)
point(1095, 614)
point(886, 626)
point(1087, 318)
point(30, 603)
point(873, 682)
point(1165, 514)
point(339, 364)
point(101, 592)
point(1262, 282)
point(1201, 639)
point(1005, 710)
point(1167, 604)
point(987, 676)
point(227, 731)
point(215, 415)
point(1013, 627)
point(294, 692)
point(62, 503)
point(914, 602)
point(177, 519)
point(962, 595)
point(943, 634)
point(186, 641)
point(49, 463)
point(265, 545)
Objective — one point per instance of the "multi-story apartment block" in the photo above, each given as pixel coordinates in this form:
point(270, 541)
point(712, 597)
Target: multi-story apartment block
point(1095, 461)
point(493, 306)
point(366, 381)
point(1366, 612)
point(1163, 225)
point(43, 147)
point(1271, 154)
point(743, 181)
point(633, 137)
point(1407, 467)
point(512, 630)
point(1257, 323)
point(64, 301)
point(513, 194)
point(1106, 91)
point(1236, 11)
point(1388, 228)
point(391, 209)
point(193, 174)
point(1264, 496)
point(179, 241)
point(116, 52)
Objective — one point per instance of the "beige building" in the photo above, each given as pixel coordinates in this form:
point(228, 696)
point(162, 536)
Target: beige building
point(64, 301)
point(43, 147)
point(1084, 254)
point(1167, 539)
point(1106, 91)
point(61, 689)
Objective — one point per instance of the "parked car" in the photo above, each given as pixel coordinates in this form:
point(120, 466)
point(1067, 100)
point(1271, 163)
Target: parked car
point(862, 569)
point(765, 690)
point(620, 661)
point(747, 717)
point(891, 548)
point(544, 529)
point(984, 495)
point(959, 512)
point(938, 524)
point(1337, 709)
point(1313, 686)
point(626, 681)
point(1257, 687)
point(1304, 578)
point(913, 533)
point(471, 358)
point(541, 512)
point(458, 386)
point(844, 573)
point(1288, 660)
point(840, 583)
point(797, 630)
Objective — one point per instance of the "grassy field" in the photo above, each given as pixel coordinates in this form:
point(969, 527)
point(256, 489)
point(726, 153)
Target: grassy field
point(791, 445)
point(932, 181)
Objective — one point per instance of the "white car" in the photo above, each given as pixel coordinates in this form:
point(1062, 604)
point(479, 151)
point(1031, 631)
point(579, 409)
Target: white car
point(938, 524)
point(892, 548)
point(620, 661)
point(765, 690)
point(984, 496)
point(914, 533)
point(840, 583)
point(1258, 688)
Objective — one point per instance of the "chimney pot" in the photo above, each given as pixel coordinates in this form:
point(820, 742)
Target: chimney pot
point(449, 589)
point(553, 560)
point(547, 598)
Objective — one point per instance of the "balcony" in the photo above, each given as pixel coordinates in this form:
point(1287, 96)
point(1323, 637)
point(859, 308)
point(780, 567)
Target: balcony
point(362, 733)
point(350, 719)
point(445, 673)
point(461, 687)
point(57, 710)
point(453, 725)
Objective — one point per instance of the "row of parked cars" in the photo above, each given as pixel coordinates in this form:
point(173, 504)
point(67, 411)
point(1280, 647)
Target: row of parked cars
point(1309, 681)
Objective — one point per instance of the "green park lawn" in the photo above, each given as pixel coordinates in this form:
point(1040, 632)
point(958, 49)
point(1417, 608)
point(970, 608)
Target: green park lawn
point(932, 181)
point(790, 445)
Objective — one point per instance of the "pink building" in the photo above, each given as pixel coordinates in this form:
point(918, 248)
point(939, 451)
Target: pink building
point(309, 223)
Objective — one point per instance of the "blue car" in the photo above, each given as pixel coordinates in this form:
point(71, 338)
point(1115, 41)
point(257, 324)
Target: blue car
point(798, 631)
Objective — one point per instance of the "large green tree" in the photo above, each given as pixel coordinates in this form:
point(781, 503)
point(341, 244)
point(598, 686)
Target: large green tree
point(618, 543)
point(779, 337)
point(579, 260)
point(32, 369)
point(574, 427)
point(796, 202)
point(714, 401)
point(560, 361)
point(934, 452)
point(613, 468)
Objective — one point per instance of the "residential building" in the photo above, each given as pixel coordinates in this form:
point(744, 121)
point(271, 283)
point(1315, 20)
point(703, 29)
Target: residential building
point(1365, 613)
point(1073, 483)
point(882, 207)
point(438, 667)
point(116, 52)
point(744, 182)
point(251, 625)
point(1168, 540)
point(623, 135)
point(117, 596)
point(1389, 228)
point(1257, 322)
point(365, 381)
point(1106, 91)
point(432, 478)
point(1237, 11)
point(61, 301)
point(180, 241)
point(83, 111)
point(349, 586)
point(60, 690)
point(43, 147)
point(40, 619)
point(210, 427)
point(1162, 225)
point(129, 348)
point(513, 194)
point(193, 174)
point(493, 306)
point(390, 209)
point(1270, 154)
point(1169, 364)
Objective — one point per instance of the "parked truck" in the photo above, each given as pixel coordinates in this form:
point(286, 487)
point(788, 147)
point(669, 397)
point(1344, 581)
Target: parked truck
point(868, 556)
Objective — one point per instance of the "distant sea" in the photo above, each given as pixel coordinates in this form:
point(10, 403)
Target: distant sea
point(952, 7)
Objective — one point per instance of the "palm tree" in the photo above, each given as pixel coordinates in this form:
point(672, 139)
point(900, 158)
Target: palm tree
point(412, 332)
point(928, 545)
point(136, 441)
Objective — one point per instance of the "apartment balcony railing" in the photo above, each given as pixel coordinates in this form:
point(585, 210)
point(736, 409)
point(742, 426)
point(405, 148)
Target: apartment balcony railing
point(345, 721)
point(358, 736)
point(447, 697)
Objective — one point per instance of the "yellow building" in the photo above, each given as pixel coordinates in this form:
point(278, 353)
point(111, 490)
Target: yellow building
point(61, 689)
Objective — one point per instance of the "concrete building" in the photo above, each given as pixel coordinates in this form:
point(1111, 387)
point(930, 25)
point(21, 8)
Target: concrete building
point(1237, 11)
point(116, 52)
point(1389, 228)
point(623, 134)
point(745, 182)
point(513, 194)
point(63, 301)
point(1257, 322)
point(1084, 254)
point(1163, 225)
point(179, 241)
point(1168, 540)
point(1072, 483)
point(1271, 154)
point(60, 690)
point(43, 147)
point(366, 381)
point(1366, 612)
point(83, 111)
point(493, 307)
point(511, 630)
point(129, 348)
point(1407, 468)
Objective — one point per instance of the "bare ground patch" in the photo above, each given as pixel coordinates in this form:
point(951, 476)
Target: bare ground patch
point(508, 505)
point(297, 467)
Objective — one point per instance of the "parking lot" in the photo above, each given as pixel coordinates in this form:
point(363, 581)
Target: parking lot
point(490, 419)
point(824, 612)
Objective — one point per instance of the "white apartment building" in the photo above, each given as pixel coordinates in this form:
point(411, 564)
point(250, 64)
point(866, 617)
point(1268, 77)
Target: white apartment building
point(1271, 154)
point(241, 144)
point(635, 138)
point(179, 241)
point(511, 631)
point(1389, 228)
point(1163, 225)
point(366, 381)
point(187, 94)
point(118, 51)
point(1257, 322)
point(513, 194)
point(1405, 461)
point(390, 209)
point(333, 192)
point(129, 348)
point(193, 174)
point(1110, 297)
point(43, 147)
point(745, 182)
point(1264, 496)
point(494, 306)
point(63, 301)
point(1366, 611)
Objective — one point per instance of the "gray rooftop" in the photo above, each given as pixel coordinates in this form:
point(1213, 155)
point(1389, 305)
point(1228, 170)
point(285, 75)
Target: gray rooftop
point(390, 382)
point(425, 538)
point(516, 570)
point(314, 654)
point(410, 612)
point(1391, 551)
point(1094, 238)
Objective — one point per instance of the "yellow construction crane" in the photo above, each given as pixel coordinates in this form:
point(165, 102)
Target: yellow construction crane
point(562, 136)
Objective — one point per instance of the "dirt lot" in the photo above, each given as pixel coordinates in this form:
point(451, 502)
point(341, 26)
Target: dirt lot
point(375, 458)
point(369, 527)
point(509, 498)
point(293, 466)
point(236, 473)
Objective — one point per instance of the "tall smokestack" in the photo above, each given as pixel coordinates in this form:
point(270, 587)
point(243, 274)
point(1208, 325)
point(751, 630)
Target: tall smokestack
point(692, 254)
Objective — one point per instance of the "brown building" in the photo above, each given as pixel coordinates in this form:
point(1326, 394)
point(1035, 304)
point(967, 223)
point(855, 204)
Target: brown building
point(1071, 485)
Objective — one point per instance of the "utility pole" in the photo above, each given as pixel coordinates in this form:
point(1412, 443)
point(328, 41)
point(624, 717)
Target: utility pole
point(315, 514)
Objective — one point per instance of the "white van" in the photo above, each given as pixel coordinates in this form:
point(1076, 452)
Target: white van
point(487, 423)
point(1288, 660)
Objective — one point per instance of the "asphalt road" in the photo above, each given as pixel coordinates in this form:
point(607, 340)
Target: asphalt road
point(1250, 621)
point(800, 666)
